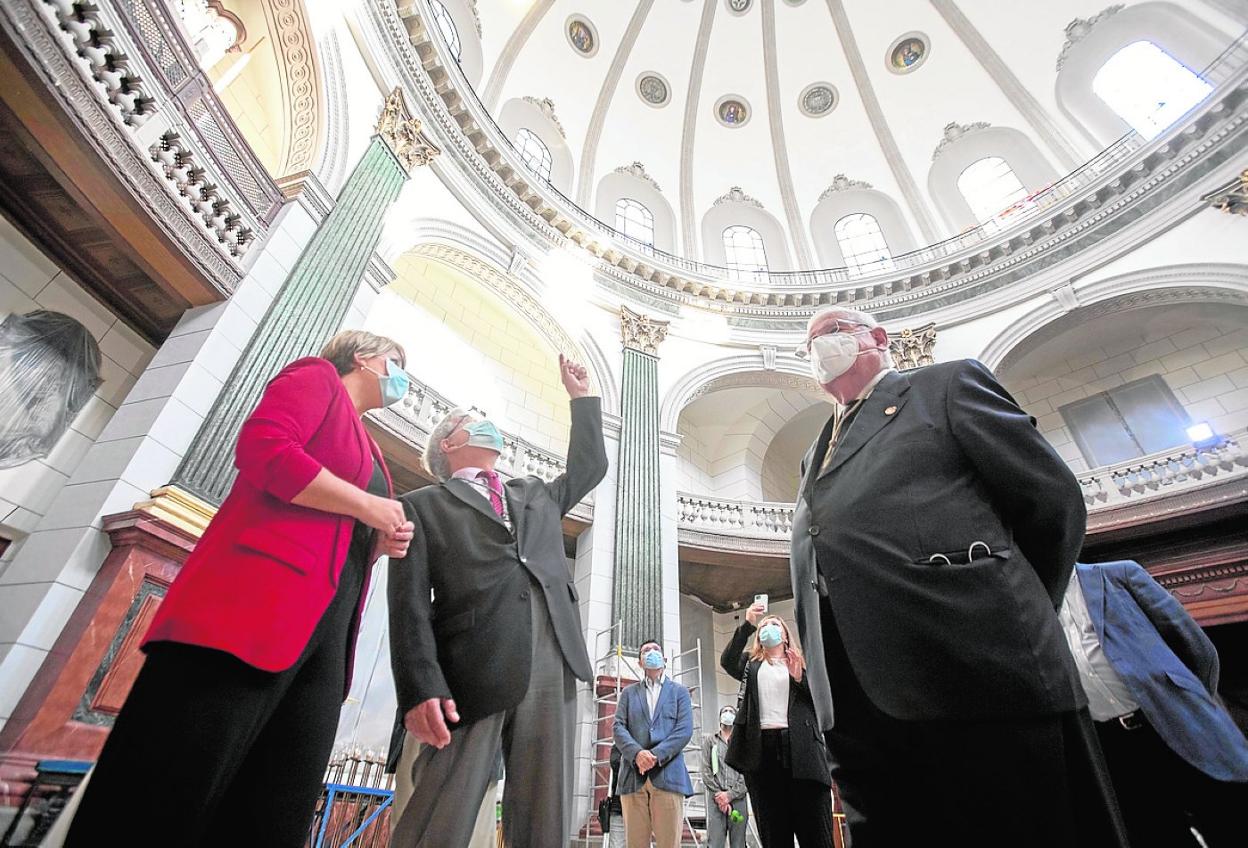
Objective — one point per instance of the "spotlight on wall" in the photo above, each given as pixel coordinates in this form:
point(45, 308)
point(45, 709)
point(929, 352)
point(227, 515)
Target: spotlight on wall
point(1203, 435)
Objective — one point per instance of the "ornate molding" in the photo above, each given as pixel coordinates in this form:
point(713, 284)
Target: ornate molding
point(736, 195)
point(476, 17)
point(1079, 28)
point(843, 183)
point(913, 348)
point(641, 332)
point(954, 131)
point(1104, 209)
point(402, 133)
point(301, 82)
point(1233, 197)
point(547, 107)
point(638, 170)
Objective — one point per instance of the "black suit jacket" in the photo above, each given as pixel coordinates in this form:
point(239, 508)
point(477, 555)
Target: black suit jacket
point(807, 749)
point(936, 459)
point(472, 640)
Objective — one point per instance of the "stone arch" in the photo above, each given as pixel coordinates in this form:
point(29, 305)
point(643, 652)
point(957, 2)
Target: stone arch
point(1195, 283)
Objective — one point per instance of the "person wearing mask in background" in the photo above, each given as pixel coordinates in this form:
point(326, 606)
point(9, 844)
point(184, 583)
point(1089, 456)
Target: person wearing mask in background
point(485, 635)
point(1176, 758)
point(727, 811)
point(653, 724)
point(230, 723)
point(777, 743)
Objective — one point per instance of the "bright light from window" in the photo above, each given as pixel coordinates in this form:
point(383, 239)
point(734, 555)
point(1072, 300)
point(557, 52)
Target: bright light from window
point(446, 26)
point(1148, 88)
point(743, 249)
point(634, 220)
point(862, 244)
point(534, 152)
point(990, 186)
point(1202, 432)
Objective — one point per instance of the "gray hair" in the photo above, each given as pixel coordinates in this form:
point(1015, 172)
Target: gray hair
point(851, 316)
point(436, 462)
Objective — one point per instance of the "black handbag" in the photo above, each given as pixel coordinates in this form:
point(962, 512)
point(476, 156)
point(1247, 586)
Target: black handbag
point(604, 814)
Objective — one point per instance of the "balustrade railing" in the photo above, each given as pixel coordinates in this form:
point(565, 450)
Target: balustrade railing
point(1158, 475)
point(1084, 183)
point(136, 58)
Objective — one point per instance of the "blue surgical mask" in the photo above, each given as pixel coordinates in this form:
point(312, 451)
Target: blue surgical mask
point(394, 383)
point(483, 434)
point(652, 660)
point(770, 635)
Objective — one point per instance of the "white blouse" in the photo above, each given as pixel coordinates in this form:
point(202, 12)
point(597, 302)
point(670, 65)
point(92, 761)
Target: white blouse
point(773, 695)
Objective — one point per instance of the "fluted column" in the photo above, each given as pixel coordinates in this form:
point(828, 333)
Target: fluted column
point(637, 601)
point(311, 304)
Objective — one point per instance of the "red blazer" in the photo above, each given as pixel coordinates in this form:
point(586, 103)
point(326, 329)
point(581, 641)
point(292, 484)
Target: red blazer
point(265, 570)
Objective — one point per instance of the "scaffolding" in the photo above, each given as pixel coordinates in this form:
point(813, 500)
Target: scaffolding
point(614, 664)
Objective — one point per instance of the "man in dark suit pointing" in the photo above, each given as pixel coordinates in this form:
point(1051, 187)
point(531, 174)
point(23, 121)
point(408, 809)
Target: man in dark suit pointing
point(485, 636)
point(934, 535)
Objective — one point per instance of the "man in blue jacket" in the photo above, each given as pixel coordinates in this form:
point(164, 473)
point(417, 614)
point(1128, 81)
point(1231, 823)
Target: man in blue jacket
point(653, 724)
point(1150, 673)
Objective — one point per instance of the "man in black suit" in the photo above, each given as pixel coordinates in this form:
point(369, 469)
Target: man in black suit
point(494, 656)
point(934, 535)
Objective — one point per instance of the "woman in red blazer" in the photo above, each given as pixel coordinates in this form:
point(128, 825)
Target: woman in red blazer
point(225, 735)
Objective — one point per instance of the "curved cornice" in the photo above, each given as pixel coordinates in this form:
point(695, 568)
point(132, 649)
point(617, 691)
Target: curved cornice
point(1074, 305)
point(1089, 217)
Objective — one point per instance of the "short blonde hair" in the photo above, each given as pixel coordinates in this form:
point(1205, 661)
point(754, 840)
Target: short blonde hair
point(342, 348)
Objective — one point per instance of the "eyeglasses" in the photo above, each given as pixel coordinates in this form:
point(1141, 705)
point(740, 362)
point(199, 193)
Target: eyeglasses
point(803, 350)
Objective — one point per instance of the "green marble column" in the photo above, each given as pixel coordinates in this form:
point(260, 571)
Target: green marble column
point(312, 302)
point(638, 586)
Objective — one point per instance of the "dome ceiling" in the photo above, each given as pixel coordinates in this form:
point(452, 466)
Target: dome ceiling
point(789, 101)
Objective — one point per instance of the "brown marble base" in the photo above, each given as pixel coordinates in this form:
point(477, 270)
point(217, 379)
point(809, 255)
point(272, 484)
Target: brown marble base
point(69, 707)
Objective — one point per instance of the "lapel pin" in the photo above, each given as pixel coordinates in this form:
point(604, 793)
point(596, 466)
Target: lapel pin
point(890, 410)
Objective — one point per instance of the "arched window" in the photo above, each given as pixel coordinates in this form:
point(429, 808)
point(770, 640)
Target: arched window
point(446, 26)
point(990, 186)
point(534, 152)
point(634, 220)
point(1148, 88)
point(862, 244)
point(743, 249)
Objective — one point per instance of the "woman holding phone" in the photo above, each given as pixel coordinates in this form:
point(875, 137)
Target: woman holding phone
point(777, 744)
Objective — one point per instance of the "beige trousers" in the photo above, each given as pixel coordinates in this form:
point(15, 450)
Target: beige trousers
point(483, 832)
point(657, 811)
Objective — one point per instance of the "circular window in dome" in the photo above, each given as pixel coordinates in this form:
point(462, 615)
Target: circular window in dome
point(818, 99)
point(733, 111)
point(653, 89)
point(738, 7)
point(908, 52)
point(582, 35)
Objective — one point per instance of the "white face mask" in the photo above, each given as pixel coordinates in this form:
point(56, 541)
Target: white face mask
point(834, 354)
